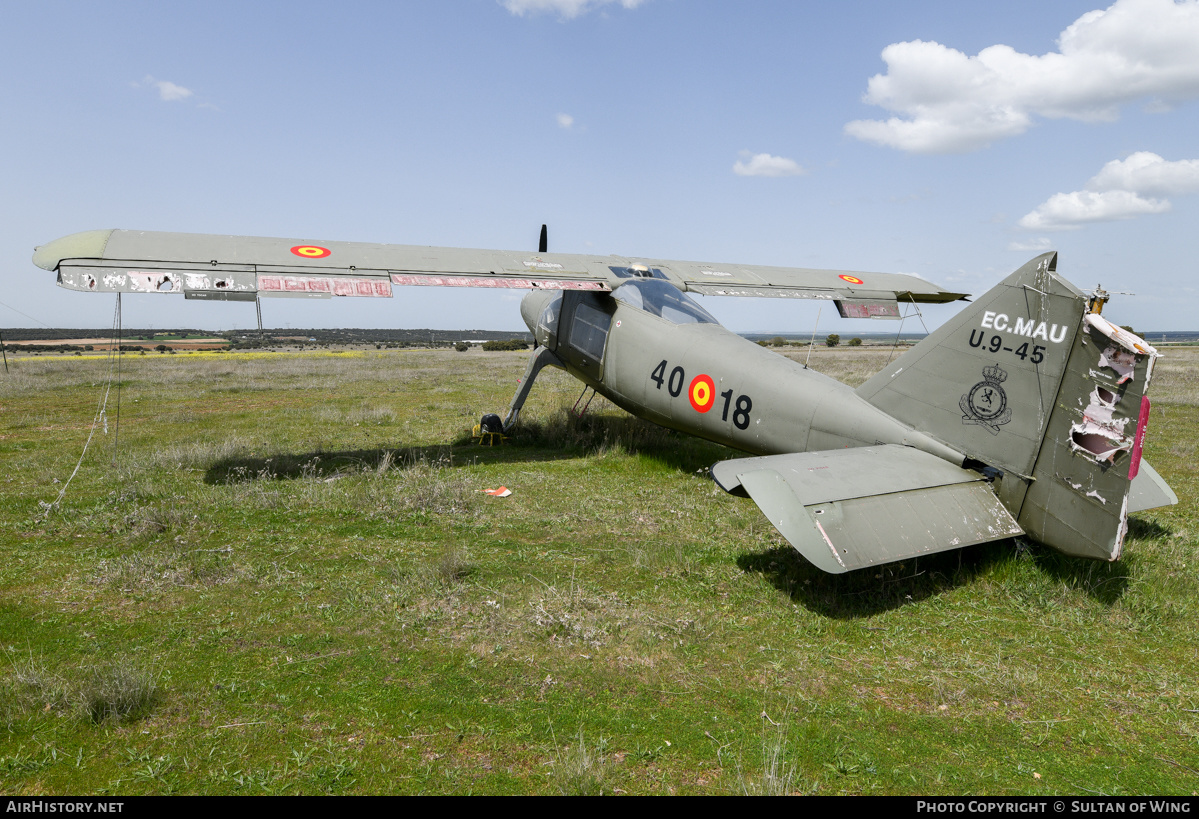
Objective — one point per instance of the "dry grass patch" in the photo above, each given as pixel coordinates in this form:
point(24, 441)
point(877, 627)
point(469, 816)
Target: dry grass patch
point(444, 571)
point(431, 488)
point(777, 776)
point(173, 565)
point(29, 686)
point(119, 691)
point(580, 770)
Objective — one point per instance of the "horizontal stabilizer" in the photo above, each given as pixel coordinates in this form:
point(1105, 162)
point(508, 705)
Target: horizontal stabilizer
point(1149, 491)
point(846, 509)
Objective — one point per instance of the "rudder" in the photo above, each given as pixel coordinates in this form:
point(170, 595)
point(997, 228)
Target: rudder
point(1078, 500)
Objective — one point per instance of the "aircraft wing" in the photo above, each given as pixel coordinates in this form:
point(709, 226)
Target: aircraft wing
point(243, 268)
point(846, 509)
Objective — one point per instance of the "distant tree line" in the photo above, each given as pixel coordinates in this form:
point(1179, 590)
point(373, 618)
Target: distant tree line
point(381, 338)
point(278, 334)
point(506, 344)
point(36, 333)
point(49, 348)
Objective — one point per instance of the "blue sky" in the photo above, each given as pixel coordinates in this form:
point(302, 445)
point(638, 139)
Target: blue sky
point(946, 139)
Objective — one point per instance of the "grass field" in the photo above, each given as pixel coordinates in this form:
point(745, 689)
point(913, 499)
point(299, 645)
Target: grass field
point(280, 574)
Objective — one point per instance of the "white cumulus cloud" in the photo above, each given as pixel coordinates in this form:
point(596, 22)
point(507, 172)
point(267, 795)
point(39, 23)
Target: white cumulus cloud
point(766, 165)
point(565, 9)
point(1123, 189)
point(1147, 173)
point(1063, 211)
point(565, 121)
point(946, 101)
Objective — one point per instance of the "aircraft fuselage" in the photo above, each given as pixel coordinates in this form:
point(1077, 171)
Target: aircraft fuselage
point(701, 379)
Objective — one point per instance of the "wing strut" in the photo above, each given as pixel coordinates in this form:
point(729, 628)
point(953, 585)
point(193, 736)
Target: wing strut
point(540, 358)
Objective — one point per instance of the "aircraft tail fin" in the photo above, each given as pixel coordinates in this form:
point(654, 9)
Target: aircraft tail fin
point(1027, 381)
point(985, 382)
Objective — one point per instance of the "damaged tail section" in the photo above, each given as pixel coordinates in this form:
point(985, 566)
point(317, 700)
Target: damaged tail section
point(1041, 399)
point(1028, 381)
point(1081, 489)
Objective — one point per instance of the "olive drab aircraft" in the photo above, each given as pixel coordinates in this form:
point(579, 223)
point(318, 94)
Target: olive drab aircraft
point(1023, 414)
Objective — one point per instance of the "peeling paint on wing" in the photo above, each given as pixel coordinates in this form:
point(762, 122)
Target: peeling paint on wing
point(204, 281)
point(141, 281)
point(325, 285)
point(75, 281)
point(496, 281)
point(831, 547)
point(83, 281)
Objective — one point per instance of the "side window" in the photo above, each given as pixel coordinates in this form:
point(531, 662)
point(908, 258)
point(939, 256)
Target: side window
point(589, 330)
point(547, 322)
point(549, 316)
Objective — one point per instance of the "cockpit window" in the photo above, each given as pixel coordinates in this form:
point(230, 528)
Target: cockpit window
point(659, 298)
point(548, 321)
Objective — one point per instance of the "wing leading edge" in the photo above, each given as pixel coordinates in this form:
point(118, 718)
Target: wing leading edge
point(243, 268)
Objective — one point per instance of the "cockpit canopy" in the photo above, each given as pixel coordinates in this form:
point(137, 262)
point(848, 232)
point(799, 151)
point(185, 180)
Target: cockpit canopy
point(662, 299)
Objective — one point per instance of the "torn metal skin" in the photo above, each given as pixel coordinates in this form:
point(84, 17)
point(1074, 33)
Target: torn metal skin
point(1101, 435)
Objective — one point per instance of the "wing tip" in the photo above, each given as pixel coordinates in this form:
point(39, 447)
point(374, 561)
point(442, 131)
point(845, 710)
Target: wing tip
point(88, 244)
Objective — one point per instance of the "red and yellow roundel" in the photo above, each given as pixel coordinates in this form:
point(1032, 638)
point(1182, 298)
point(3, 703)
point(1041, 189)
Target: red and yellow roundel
point(702, 393)
point(850, 279)
point(311, 251)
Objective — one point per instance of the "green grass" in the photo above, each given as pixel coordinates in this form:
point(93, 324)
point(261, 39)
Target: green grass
point(285, 578)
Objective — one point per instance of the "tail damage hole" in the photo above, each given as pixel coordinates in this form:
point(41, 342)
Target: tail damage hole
point(1103, 448)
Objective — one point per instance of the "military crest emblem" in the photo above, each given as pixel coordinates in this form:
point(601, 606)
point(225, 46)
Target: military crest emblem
point(986, 402)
